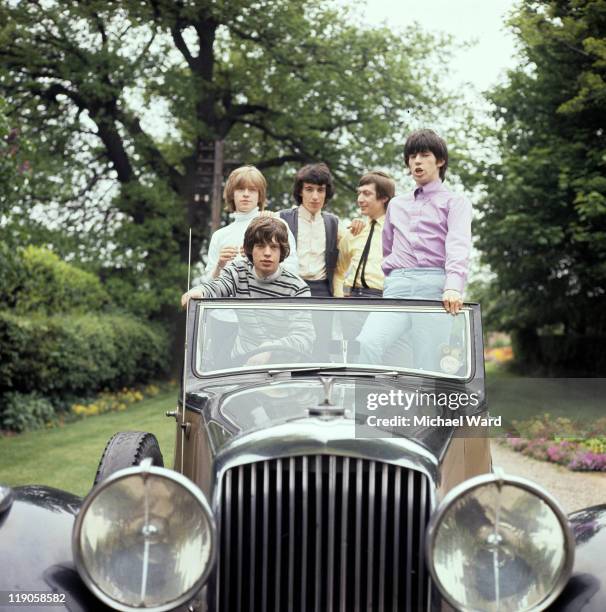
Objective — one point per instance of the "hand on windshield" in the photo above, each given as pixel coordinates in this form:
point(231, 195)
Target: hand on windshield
point(192, 293)
point(452, 300)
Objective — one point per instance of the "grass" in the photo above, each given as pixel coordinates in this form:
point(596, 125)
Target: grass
point(67, 457)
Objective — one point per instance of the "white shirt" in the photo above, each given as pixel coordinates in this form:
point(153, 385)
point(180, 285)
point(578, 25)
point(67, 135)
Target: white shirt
point(233, 235)
point(311, 245)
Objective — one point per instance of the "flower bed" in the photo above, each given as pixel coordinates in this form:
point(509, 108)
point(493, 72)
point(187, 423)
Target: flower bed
point(560, 440)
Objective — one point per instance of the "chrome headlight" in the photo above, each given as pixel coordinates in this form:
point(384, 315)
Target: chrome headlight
point(499, 543)
point(144, 538)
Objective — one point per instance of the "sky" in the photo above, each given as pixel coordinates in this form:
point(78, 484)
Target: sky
point(466, 20)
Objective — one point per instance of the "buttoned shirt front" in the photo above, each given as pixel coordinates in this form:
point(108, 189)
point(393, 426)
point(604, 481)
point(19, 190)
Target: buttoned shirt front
point(311, 245)
point(350, 252)
point(429, 228)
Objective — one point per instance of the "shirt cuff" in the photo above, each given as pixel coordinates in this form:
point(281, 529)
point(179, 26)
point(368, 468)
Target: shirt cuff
point(454, 281)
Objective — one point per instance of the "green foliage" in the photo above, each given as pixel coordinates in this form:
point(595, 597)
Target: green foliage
point(542, 227)
point(25, 411)
point(37, 281)
point(281, 82)
point(77, 354)
point(14, 165)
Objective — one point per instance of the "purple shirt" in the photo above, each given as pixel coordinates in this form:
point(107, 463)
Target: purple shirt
point(429, 228)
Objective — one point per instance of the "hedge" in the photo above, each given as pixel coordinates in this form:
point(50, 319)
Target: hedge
point(78, 354)
point(36, 280)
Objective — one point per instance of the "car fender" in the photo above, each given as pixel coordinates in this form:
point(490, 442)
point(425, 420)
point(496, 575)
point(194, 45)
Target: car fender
point(586, 591)
point(35, 547)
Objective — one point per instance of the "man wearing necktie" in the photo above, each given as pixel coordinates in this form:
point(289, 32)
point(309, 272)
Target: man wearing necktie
point(358, 272)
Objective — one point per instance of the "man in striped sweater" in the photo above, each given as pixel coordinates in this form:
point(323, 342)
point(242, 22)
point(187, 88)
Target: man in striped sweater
point(260, 275)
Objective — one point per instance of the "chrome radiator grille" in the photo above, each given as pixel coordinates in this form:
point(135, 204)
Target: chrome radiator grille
point(323, 533)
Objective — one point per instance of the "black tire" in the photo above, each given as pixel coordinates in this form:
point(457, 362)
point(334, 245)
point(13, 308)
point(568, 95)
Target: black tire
point(125, 449)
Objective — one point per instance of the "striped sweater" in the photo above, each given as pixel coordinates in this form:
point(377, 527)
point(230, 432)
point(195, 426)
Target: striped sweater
point(290, 329)
point(238, 279)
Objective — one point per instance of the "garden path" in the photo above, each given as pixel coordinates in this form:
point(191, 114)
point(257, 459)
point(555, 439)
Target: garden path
point(574, 490)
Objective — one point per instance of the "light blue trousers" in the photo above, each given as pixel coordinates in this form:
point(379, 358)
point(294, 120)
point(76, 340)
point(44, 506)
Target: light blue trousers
point(424, 332)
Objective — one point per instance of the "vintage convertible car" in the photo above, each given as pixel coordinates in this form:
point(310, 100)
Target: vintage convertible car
point(313, 471)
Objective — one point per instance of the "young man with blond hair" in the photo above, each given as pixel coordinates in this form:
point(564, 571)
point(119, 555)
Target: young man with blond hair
point(245, 195)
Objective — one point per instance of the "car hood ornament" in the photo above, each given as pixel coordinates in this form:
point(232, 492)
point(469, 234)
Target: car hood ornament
point(326, 409)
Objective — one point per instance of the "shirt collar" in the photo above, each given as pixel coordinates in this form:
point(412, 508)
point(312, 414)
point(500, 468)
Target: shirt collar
point(305, 214)
point(432, 187)
point(247, 216)
point(267, 279)
point(380, 220)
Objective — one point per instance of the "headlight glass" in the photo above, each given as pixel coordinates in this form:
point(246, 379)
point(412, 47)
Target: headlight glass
point(144, 538)
point(500, 546)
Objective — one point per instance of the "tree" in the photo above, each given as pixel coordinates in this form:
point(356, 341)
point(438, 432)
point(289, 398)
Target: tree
point(543, 223)
point(281, 82)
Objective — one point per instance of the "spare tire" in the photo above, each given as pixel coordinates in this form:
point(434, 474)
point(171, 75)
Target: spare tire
point(126, 449)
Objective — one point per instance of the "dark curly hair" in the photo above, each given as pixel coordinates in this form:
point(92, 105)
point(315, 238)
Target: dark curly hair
point(265, 230)
point(317, 174)
point(427, 140)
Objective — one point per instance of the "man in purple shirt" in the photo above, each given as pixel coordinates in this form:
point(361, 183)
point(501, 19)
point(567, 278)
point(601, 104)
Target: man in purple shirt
point(426, 246)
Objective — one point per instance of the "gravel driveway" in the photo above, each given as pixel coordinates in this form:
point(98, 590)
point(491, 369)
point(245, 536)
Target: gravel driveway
point(574, 490)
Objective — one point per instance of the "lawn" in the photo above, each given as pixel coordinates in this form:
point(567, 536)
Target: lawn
point(67, 457)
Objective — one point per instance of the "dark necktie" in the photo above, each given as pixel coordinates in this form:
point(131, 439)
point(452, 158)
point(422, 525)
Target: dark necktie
point(364, 257)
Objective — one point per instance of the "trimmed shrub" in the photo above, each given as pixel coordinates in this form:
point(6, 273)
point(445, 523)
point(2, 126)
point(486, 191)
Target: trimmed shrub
point(78, 354)
point(20, 412)
point(38, 281)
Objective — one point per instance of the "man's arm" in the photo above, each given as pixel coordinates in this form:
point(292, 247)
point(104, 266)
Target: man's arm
point(224, 286)
point(387, 235)
point(458, 248)
point(343, 263)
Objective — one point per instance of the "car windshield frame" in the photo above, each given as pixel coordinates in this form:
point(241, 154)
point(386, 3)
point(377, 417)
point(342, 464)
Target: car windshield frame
point(333, 304)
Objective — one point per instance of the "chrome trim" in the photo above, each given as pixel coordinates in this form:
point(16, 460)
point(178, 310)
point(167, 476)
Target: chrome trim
point(253, 531)
point(6, 498)
point(383, 542)
point(502, 479)
point(291, 532)
point(344, 507)
point(410, 489)
point(145, 471)
point(466, 312)
point(318, 475)
point(330, 486)
point(396, 535)
point(264, 591)
point(332, 494)
point(332, 305)
point(358, 556)
point(309, 435)
point(305, 520)
point(278, 555)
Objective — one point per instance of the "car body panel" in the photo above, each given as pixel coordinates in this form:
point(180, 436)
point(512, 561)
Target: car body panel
point(247, 417)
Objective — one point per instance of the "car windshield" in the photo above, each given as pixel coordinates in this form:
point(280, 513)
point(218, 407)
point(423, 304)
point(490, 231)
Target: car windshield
point(237, 336)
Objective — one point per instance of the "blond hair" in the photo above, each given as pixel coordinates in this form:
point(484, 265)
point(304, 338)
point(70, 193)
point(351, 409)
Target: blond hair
point(240, 178)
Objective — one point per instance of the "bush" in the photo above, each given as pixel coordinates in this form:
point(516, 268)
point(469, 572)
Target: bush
point(38, 281)
point(78, 354)
point(20, 412)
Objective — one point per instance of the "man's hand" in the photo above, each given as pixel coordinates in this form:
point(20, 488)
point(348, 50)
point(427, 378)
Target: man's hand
point(356, 226)
point(269, 213)
point(226, 254)
point(259, 359)
point(452, 300)
point(192, 293)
